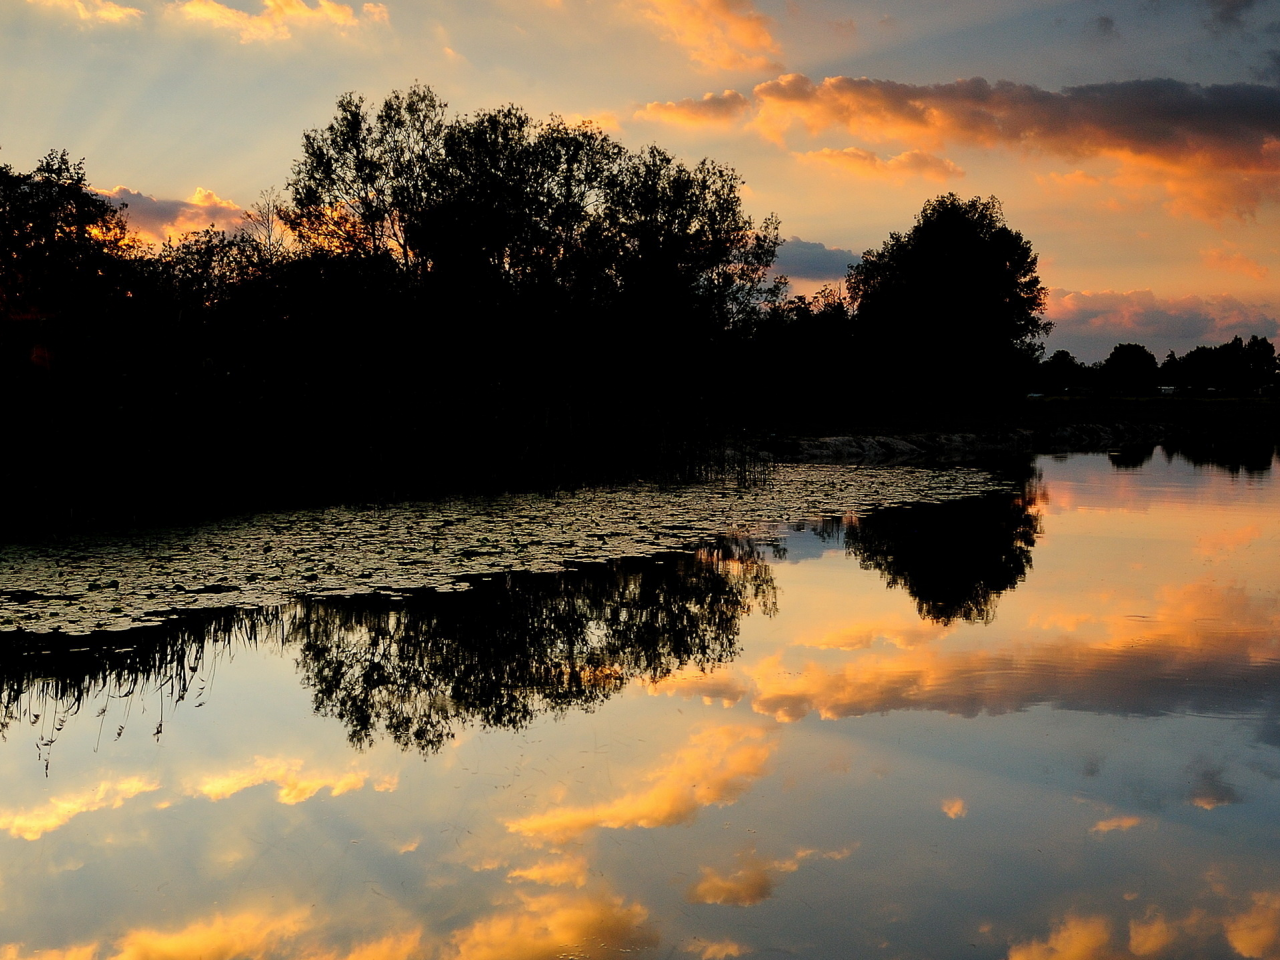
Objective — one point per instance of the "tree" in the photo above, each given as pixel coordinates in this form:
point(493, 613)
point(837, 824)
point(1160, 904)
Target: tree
point(1130, 369)
point(950, 309)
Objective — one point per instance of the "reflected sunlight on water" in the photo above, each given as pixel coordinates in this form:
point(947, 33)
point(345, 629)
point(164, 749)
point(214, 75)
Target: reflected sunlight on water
point(1039, 721)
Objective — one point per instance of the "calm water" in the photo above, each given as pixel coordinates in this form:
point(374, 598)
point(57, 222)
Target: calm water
point(1035, 715)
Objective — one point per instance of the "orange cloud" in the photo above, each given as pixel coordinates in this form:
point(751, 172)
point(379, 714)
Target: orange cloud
point(1225, 541)
point(89, 951)
point(1231, 260)
point(251, 935)
point(718, 34)
point(1150, 935)
point(716, 950)
point(955, 808)
point(716, 767)
point(159, 220)
point(1214, 151)
point(1115, 823)
point(752, 883)
point(295, 786)
point(548, 927)
point(278, 16)
point(567, 871)
point(1256, 932)
point(865, 163)
point(97, 11)
point(57, 812)
point(719, 686)
point(1076, 938)
point(714, 109)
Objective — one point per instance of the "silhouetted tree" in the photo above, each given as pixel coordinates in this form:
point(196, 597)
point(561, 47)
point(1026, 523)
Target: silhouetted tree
point(1234, 367)
point(949, 309)
point(1130, 370)
point(1063, 373)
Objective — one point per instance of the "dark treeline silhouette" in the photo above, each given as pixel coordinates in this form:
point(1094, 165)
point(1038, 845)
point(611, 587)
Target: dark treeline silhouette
point(437, 302)
point(1237, 368)
point(418, 668)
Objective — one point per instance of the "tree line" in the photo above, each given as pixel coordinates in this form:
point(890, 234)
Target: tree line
point(1237, 368)
point(442, 302)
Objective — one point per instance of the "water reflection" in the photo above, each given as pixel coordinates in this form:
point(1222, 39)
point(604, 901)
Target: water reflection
point(418, 666)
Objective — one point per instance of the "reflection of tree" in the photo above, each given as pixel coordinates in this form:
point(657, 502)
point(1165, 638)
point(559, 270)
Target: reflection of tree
point(507, 650)
point(415, 668)
point(46, 679)
point(954, 558)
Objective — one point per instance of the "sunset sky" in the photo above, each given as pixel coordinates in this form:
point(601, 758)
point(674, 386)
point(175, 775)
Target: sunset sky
point(1136, 143)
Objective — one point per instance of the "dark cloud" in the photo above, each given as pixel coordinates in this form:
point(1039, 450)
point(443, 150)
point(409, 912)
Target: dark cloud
point(1208, 789)
point(1090, 324)
point(1211, 148)
point(813, 261)
point(1228, 13)
point(1105, 26)
point(1269, 72)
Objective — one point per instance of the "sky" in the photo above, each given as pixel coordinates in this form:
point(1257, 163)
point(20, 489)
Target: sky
point(1134, 143)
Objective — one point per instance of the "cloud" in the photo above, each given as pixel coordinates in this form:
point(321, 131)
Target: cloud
point(1222, 542)
point(548, 927)
point(716, 767)
point(753, 882)
point(158, 220)
point(1150, 935)
point(716, 950)
point(278, 16)
point(94, 11)
point(719, 686)
point(251, 935)
point(718, 34)
point(34, 823)
point(813, 261)
point(1076, 938)
point(1231, 260)
point(1090, 323)
point(566, 871)
point(1227, 13)
point(712, 109)
point(865, 163)
point(1256, 932)
point(1209, 790)
point(1213, 150)
point(1115, 823)
point(295, 785)
point(955, 808)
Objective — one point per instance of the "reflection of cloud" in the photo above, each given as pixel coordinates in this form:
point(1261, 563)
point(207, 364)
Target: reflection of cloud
point(278, 16)
point(955, 808)
point(1091, 323)
point(866, 163)
point(157, 220)
point(561, 872)
point(720, 34)
point(751, 883)
point(1076, 938)
point(711, 109)
point(35, 823)
point(252, 935)
point(1256, 932)
point(716, 950)
point(1224, 541)
point(715, 768)
point(98, 11)
point(720, 685)
point(1150, 935)
point(1209, 790)
point(1212, 633)
point(1115, 823)
point(551, 926)
point(89, 951)
point(295, 786)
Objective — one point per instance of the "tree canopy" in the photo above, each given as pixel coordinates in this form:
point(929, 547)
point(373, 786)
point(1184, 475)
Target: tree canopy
point(952, 308)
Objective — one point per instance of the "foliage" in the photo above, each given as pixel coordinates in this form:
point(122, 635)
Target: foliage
point(951, 308)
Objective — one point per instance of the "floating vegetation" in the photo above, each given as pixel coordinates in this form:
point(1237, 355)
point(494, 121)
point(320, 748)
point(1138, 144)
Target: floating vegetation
point(89, 584)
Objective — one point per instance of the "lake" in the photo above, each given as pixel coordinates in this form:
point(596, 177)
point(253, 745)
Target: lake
point(1024, 712)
